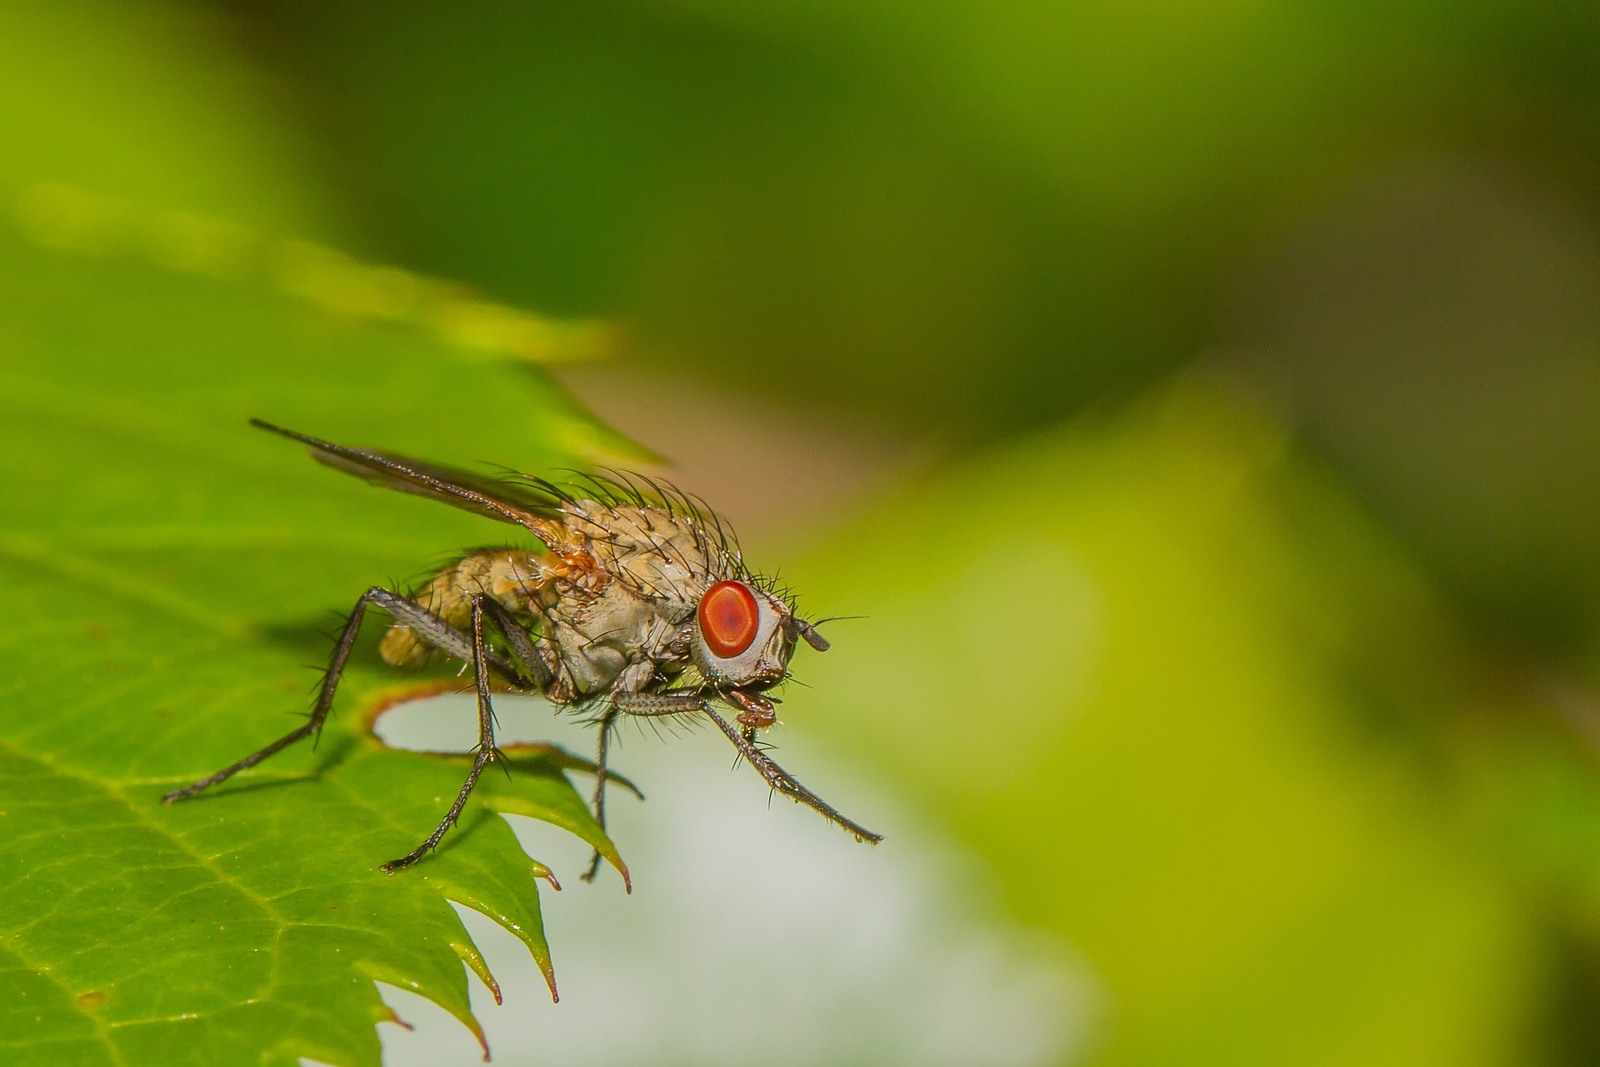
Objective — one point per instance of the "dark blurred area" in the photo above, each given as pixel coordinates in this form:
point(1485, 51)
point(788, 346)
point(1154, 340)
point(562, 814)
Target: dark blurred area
point(975, 220)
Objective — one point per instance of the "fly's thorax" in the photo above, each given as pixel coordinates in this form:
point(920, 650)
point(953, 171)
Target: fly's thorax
point(740, 636)
point(597, 635)
point(658, 554)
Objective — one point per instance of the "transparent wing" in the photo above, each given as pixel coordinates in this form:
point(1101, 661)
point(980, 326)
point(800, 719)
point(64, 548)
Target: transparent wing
point(530, 504)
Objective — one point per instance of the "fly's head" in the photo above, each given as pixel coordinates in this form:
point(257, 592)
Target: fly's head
point(744, 637)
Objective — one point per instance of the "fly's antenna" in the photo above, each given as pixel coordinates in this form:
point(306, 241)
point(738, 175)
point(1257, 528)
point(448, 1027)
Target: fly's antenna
point(808, 630)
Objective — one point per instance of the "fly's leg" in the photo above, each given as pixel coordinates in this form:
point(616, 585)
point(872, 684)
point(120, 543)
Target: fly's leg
point(647, 705)
point(484, 753)
point(432, 628)
point(634, 677)
point(607, 721)
point(644, 704)
point(534, 667)
point(783, 782)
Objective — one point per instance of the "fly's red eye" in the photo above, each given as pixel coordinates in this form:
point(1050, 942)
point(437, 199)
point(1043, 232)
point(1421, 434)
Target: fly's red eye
point(728, 619)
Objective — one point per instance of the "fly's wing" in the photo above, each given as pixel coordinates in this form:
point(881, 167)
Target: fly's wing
point(496, 498)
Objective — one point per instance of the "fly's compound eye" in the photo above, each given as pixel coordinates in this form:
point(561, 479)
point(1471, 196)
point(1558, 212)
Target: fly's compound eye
point(729, 619)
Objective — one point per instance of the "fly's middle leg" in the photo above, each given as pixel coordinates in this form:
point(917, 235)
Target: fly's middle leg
point(607, 721)
point(629, 703)
point(634, 677)
point(484, 753)
point(535, 668)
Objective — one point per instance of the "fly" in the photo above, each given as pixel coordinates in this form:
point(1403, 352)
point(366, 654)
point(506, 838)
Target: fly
point(639, 604)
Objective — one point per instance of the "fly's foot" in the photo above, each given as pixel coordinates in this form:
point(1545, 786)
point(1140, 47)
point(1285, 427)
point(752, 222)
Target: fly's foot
point(406, 861)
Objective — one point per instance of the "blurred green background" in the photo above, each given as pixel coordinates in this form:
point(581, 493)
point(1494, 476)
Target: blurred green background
point(1201, 402)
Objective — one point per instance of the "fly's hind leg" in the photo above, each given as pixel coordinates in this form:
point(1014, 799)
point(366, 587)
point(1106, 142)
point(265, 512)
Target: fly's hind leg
point(432, 628)
point(483, 754)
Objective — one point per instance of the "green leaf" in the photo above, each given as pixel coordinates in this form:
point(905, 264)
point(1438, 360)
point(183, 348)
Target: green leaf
point(167, 574)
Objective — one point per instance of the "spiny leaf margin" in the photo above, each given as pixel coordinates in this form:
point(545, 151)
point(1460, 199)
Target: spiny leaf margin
point(166, 571)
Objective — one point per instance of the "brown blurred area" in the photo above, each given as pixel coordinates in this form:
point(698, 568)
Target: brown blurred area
point(1434, 331)
point(781, 473)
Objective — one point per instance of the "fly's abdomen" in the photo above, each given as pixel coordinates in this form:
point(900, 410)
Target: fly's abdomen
point(514, 577)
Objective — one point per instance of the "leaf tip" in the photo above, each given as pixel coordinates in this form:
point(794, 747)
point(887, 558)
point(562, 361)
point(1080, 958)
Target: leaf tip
point(474, 959)
point(549, 972)
point(541, 871)
point(483, 1042)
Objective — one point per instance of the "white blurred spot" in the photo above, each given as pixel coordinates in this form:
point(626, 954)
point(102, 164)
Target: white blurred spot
point(754, 932)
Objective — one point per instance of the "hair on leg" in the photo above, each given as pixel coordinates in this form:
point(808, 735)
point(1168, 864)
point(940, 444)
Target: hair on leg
point(646, 705)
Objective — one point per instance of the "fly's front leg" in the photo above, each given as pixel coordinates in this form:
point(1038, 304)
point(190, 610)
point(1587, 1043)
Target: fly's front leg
point(784, 782)
point(743, 739)
point(432, 628)
point(483, 754)
point(653, 705)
